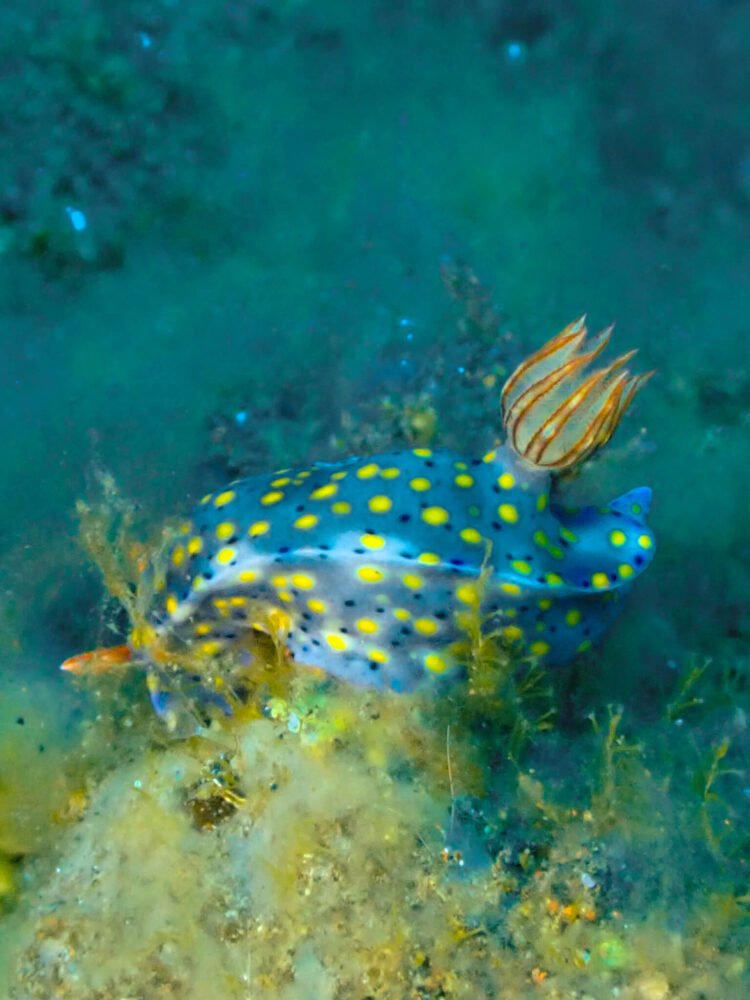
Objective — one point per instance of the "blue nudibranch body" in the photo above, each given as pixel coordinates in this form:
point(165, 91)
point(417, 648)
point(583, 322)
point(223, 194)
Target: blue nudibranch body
point(365, 567)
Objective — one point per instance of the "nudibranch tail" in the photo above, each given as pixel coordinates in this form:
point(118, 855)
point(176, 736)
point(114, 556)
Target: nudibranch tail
point(554, 415)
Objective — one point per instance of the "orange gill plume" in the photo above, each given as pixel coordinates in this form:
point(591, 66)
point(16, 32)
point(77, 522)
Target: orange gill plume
point(555, 416)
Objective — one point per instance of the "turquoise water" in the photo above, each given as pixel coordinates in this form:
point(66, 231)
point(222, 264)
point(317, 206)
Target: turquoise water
point(223, 235)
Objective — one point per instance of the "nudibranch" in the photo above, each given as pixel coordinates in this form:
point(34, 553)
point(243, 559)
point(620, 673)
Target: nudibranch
point(367, 565)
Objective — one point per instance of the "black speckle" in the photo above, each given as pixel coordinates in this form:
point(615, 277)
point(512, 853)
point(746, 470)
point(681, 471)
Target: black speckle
point(20, 721)
point(405, 630)
point(41, 748)
point(613, 577)
point(457, 562)
point(324, 547)
point(430, 464)
point(304, 628)
point(406, 555)
point(345, 631)
point(316, 642)
point(322, 555)
point(496, 526)
point(404, 518)
point(300, 508)
point(638, 560)
point(395, 643)
point(585, 583)
point(349, 603)
point(306, 615)
point(358, 552)
point(441, 615)
point(495, 489)
point(283, 550)
point(379, 611)
point(476, 461)
point(373, 665)
point(540, 579)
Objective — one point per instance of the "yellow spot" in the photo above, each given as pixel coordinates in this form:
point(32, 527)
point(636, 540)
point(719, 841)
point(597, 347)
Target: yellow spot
point(490, 456)
point(226, 555)
point(172, 604)
point(541, 502)
point(402, 614)
point(206, 499)
point(224, 498)
point(540, 538)
point(279, 620)
point(555, 551)
point(545, 604)
point(422, 452)
point(568, 535)
point(339, 475)
point(429, 558)
point(248, 576)
point(178, 556)
point(372, 541)
point(306, 522)
point(420, 484)
point(341, 507)
point(304, 474)
point(324, 492)
point(625, 570)
point(370, 574)
point(553, 579)
point(211, 647)
point(520, 566)
point(425, 626)
point(284, 595)
point(194, 546)
point(467, 593)
point(572, 617)
point(284, 481)
point(600, 580)
point(435, 515)
point(412, 581)
point(464, 481)
point(271, 498)
point(378, 656)
point(258, 528)
point(198, 583)
point(390, 473)
point(319, 607)
point(225, 530)
point(368, 471)
point(380, 504)
point(508, 512)
point(435, 663)
point(510, 588)
point(471, 535)
point(645, 541)
point(336, 641)
point(539, 648)
point(186, 527)
point(460, 465)
point(513, 632)
point(279, 581)
point(507, 481)
point(585, 645)
point(237, 601)
point(303, 581)
point(203, 628)
point(367, 625)
point(221, 604)
point(618, 537)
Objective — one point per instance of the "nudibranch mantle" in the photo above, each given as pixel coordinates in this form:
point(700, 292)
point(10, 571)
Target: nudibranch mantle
point(373, 560)
point(367, 568)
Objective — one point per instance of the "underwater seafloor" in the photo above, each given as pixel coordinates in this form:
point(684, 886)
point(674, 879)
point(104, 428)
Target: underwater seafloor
point(237, 237)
